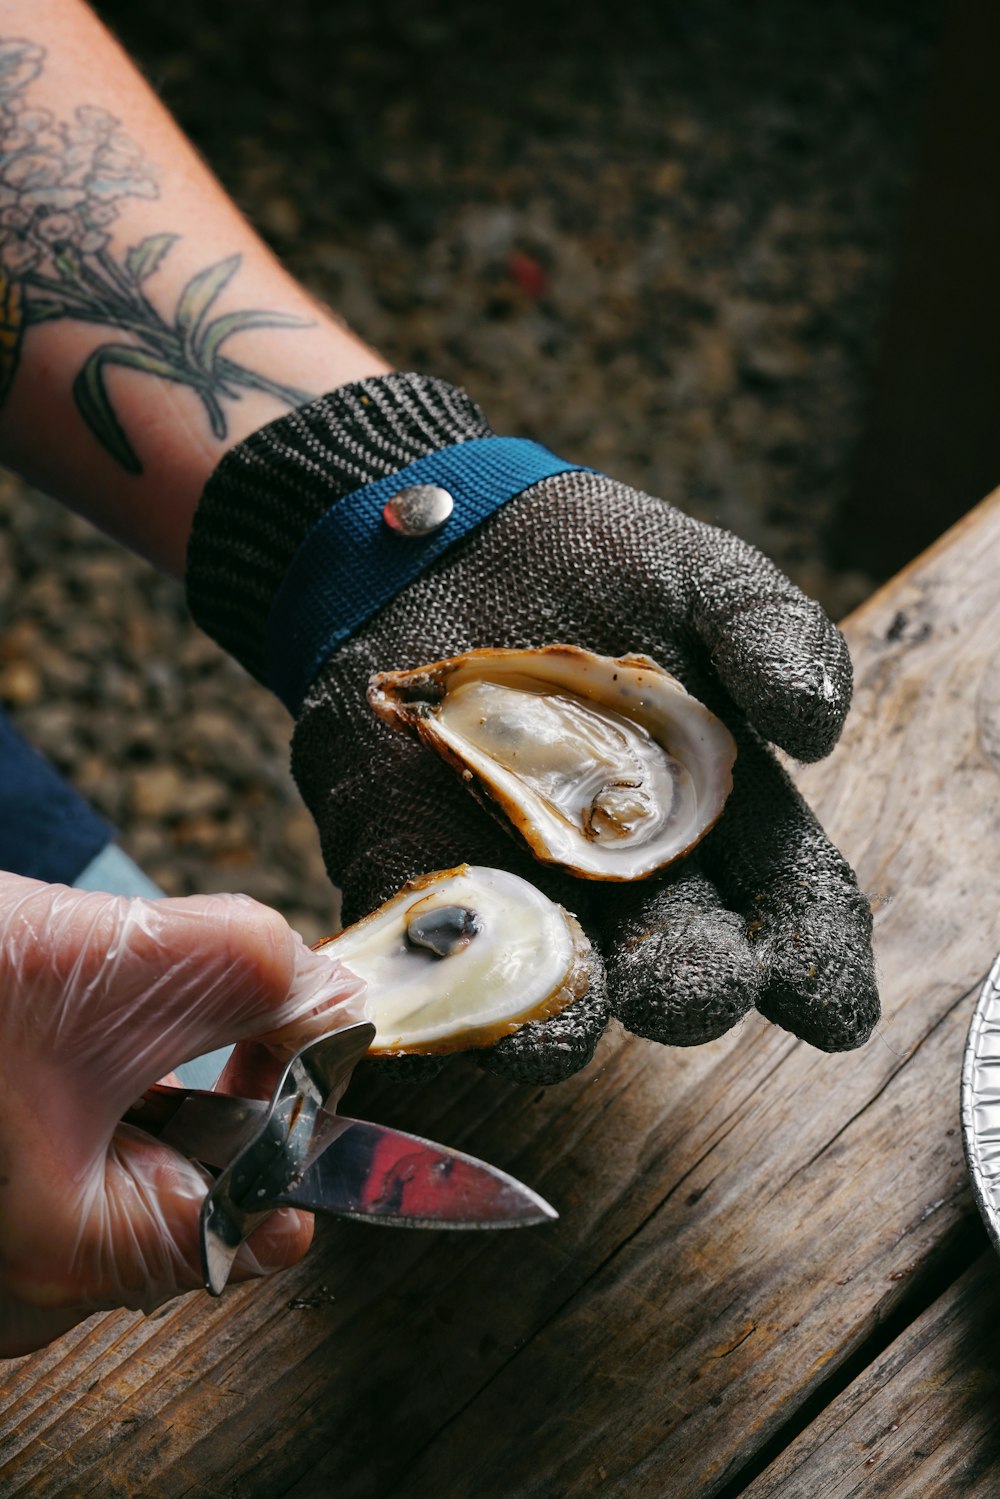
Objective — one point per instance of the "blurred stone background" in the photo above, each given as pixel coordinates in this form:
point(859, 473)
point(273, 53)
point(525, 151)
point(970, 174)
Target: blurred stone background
point(660, 238)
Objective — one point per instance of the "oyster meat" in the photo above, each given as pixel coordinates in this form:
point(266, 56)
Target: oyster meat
point(607, 768)
point(462, 957)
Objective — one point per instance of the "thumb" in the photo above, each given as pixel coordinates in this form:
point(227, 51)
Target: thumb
point(181, 977)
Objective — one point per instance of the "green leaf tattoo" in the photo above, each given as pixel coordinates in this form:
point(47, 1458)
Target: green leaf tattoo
point(215, 334)
point(61, 184)
point(142, 260)
point(94, 405)
point(198, 296)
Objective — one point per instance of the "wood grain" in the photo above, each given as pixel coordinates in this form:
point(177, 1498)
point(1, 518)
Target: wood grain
point(922, 1419)
point(736, 1219)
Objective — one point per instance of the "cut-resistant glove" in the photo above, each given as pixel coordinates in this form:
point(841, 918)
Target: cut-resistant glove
point(292, 568)
point(99, 997)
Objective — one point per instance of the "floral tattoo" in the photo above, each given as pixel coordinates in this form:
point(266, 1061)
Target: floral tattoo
point(61, 184)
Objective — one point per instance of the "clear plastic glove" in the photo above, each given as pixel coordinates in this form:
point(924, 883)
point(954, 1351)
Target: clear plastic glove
point(99, 997)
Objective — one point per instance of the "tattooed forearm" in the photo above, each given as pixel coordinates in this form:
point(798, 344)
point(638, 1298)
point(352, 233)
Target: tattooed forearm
point(62, 186)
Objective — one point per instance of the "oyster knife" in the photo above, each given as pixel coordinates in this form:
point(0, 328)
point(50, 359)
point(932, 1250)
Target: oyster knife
point(366, 1170)
point(295, 1150)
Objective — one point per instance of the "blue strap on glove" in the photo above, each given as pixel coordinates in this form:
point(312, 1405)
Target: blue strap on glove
point(351, 562)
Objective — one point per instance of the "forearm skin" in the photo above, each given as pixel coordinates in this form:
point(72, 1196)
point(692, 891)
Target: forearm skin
point(129, 362)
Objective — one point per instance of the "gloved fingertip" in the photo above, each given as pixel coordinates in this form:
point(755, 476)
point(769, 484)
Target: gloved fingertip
point(551, 1050)
point(821, 983)
point(322, 994)
point(252, 1071)
point(817, 1018)
point(687, 984)
point(140, 1241)
point(322, 972)
point(537, 1060)
point(788, 667)
point(281, 1241)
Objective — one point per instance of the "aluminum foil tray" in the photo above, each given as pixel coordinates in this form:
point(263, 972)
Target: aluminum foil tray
point(981, 1103)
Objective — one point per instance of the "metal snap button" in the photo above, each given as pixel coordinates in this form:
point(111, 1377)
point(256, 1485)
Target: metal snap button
point(419, 510)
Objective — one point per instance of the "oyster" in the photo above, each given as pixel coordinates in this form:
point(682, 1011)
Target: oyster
point(461, 958)
point(607, 768)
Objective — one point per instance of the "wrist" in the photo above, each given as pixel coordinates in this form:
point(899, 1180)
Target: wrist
point(307, 529)
point(267, 493)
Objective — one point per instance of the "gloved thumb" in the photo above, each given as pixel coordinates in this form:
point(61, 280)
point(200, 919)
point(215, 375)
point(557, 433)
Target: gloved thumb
point(133, 988)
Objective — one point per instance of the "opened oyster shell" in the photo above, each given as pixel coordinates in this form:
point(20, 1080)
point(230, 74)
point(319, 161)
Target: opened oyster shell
point(461, 958)
point(607, 768)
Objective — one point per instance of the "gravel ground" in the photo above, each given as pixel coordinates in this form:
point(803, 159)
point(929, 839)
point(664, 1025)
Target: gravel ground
point(661, 247)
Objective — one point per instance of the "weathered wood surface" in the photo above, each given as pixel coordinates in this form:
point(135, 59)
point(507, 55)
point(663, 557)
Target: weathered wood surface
point(923, 1419)
point(737, 1220)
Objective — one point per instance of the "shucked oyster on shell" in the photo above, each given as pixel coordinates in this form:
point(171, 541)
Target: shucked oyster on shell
point(608, 768)
point(461, 958)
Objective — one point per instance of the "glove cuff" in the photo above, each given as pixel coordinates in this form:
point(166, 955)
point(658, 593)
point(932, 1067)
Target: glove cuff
point(269, 491)
point(352, 562)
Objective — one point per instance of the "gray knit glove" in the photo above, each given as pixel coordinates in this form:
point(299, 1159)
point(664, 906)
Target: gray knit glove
point(766, 912)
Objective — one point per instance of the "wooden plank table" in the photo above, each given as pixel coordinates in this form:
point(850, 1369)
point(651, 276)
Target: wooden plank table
point(768, 1277)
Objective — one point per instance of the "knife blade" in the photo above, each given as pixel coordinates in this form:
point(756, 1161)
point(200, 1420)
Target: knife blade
point(404, 1181)
point(297, 1150)
point(365, 1170)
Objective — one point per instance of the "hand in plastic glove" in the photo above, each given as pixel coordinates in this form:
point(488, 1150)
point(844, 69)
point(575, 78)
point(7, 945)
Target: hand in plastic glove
point(99, 997)
point(766, 911)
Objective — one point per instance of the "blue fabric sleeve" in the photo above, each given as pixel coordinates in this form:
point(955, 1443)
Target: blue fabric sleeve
point(351, 563)
point(114, 873)
point(47, 831)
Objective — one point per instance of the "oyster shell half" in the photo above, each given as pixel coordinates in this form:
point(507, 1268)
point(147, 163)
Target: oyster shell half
point(460, 958)
point(607, 768)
